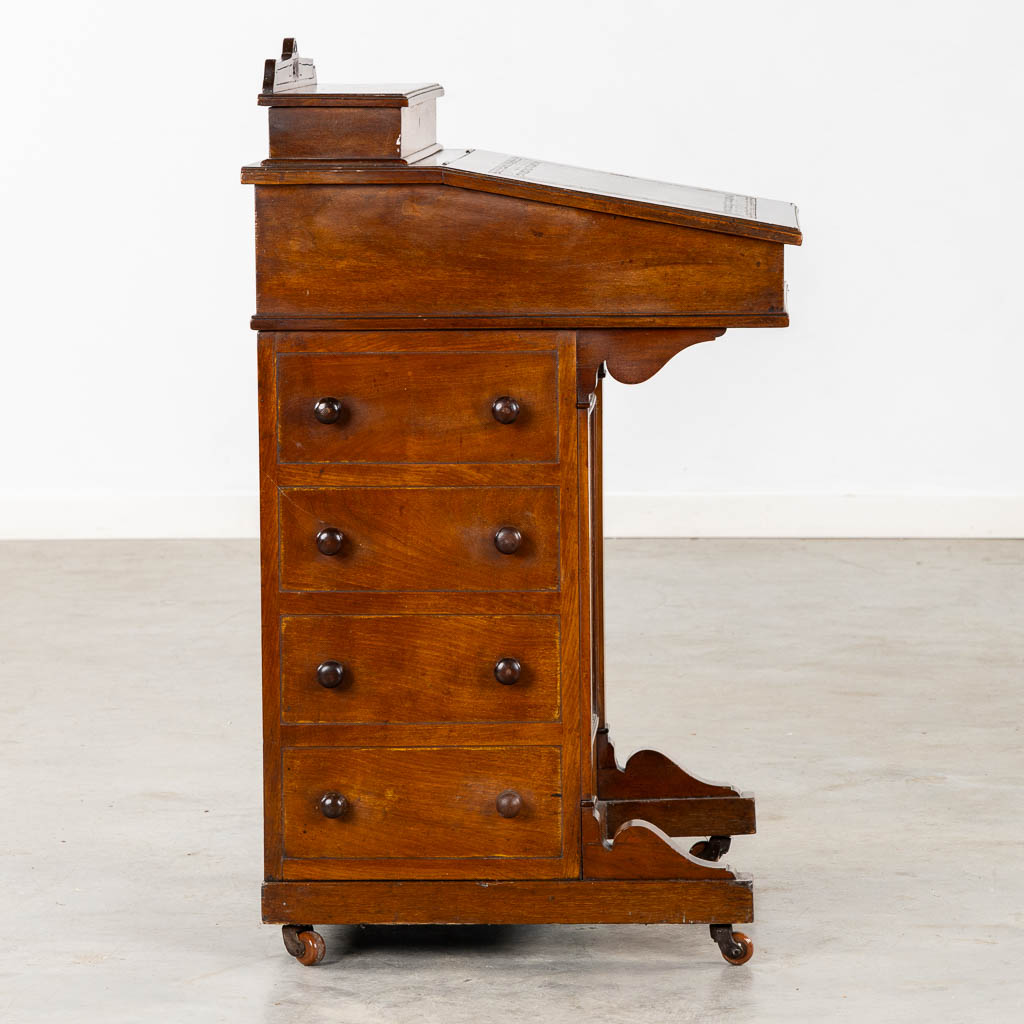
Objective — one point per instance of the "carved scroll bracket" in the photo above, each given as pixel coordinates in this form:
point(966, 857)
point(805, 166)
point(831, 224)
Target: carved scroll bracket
point(630, 355)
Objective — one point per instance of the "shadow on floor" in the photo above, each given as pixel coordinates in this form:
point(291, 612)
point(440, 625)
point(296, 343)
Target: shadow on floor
point(412, 938)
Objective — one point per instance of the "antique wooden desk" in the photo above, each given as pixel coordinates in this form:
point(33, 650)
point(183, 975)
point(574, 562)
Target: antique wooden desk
point(433, 330)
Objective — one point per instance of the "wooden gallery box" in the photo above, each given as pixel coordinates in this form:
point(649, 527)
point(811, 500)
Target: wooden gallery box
point(433, 328)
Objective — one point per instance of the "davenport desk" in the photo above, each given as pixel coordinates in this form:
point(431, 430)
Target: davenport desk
point(434, 325)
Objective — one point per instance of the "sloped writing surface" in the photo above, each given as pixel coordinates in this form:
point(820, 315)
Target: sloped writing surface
point(621, 186)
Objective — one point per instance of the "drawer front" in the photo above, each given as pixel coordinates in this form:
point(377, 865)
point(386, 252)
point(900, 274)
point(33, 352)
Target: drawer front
point(418, 539)
point(420, 668)
point(422, 802)
point(418, 407)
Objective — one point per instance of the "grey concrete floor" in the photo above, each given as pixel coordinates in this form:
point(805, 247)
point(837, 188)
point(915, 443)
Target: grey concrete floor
point(869, 692)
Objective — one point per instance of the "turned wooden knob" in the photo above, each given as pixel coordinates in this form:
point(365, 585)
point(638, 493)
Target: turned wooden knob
point(509, 803)
point(507, 671)
point(507, 540)
point(327, 410)
point(329, 539)
point(333, 805)
point(505, 409)
point(329, 674)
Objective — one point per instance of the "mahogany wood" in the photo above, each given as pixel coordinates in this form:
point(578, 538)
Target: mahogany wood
point(353, 133)
point(432, 342)
point(461, 253)
point(632, 356)
point(422, 734)
point(518, 902)
point(419, 539)
point(646, 775)
point(420, 668)
point(687, 816)
point(423, 802)
point(412, 407)
point(430, 172)
point(638, 849)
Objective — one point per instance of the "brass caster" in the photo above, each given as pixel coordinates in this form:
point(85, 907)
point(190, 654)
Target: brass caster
point(714, 848)
point(735, 946)
point(306, 945)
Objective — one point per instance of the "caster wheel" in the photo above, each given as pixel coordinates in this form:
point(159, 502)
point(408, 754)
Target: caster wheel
point(315, 948)
point(744, 950)
point(714, 848)
point(735, 946)
point(306, 945)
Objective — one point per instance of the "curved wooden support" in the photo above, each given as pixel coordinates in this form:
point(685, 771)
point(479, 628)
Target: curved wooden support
point(631, 356)
point(648, 775)
point(639, 849)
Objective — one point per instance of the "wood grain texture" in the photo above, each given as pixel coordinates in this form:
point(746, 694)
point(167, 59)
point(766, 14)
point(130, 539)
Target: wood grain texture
point(416, 342)
point(572, 741)
point(520, 902)
point(423, 802)
point(420, 668)
point(451, 602)
point(397, 303)
point(688, 816)
point(269, 632)
point(430, 172)
point(352, 133)
point(412, 407)
point(632, 356)
point(412, 474)
point(376, 868)
point(337, 133)
point(323, 249)
point(420, 539)
point(646, 775)
point(638, 849)
point(421, 734)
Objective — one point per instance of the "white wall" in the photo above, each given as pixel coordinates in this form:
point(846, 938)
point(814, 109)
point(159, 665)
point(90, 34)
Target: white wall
point(891, 406)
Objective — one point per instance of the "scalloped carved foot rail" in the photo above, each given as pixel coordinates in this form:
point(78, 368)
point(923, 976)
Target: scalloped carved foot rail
point(638, 849)
point(653, 788)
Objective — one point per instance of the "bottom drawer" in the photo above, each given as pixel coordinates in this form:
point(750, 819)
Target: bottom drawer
point(422, 802)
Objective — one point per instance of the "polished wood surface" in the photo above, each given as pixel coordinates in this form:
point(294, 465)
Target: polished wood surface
point(421, 668)
point(460, 252)
point(638, 849)
point(423, 802)
point(435, 327)
point(620, 901)
point(419, 407)
point(355, 134)
point(419, 538)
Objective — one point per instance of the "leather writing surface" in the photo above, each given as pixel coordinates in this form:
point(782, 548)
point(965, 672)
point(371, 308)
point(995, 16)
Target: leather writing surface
point(621, 186)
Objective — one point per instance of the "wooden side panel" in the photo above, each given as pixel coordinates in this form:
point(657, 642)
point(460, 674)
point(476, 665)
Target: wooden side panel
point(335, 133)
point(432, 250)
point(420, 668)
point(269, 573)
point(572, 741)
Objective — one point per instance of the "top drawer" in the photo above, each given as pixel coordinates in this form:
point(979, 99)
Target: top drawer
point(418, 407)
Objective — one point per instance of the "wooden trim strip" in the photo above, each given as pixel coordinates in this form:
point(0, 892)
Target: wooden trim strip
point(569, 901)
point(422, 734)
point(530, 321)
